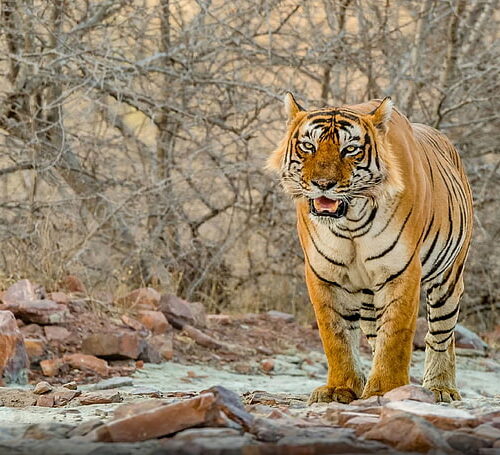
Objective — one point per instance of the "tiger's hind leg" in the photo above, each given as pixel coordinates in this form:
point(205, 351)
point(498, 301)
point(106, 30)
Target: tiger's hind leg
point(443, 298)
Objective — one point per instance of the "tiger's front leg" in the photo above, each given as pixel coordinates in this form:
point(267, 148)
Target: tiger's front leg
point(339, 331)
point(396, 306)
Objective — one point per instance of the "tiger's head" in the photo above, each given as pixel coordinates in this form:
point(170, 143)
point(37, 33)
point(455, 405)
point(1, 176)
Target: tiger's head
point(331, 156)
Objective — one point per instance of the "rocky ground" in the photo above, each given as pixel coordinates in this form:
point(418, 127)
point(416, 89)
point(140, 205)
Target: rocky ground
point(153, 374)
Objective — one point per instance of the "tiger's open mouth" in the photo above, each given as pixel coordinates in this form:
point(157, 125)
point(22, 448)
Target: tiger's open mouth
point(322, 206)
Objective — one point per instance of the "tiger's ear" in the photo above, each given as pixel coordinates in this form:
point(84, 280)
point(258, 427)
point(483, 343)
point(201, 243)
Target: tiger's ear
point(382, 114)
point(292, 107)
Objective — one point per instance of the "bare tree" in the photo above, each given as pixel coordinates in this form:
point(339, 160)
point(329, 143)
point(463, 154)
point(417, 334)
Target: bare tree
point(134, 132)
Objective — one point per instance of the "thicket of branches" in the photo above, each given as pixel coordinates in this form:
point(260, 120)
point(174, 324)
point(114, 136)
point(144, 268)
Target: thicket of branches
point(133, 133)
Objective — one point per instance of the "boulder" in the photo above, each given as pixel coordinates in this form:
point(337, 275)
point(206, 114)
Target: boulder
point(14, 362)
point(118, 344)
point(154, 321)
point(142, 298)
point(87, 362)
point(410, 392)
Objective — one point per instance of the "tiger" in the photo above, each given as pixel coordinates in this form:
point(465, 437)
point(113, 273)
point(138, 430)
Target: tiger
point(384, 208)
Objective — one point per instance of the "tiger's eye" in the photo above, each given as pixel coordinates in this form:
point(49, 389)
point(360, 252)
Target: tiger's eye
point(351, 148)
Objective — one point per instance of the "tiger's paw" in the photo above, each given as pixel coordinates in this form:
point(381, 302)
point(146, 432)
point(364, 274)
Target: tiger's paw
point(327, 394)
point(380, 386)
point(445, 394)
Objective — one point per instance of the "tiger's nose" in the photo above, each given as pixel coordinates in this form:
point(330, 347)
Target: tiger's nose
point(324, 184)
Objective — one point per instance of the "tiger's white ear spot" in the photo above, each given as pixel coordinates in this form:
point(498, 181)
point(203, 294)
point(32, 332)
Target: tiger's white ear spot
point(292, 108)
point(382, 114)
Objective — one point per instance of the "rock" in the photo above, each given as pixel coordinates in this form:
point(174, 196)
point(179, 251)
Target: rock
point(14, 362)
point(85, 428)
point(35, 348)
point(347, 416)
point(71, 283)
point(154, 418)
point(466, 443)
point(42, 387)
point(47, 430)
point(342, 444)
point(467, 339)
point(408, 433)
point(267, 365)
point(22, 291)
point(71, 385)
point(56, 333)
point(159, 420)
point(59, 297)
point(163, 344)
point(280, 316)
point(154, 321)
point(442, 417)
point(145, 298)
point(63, 396)
point(362, 423)
point(42, 312)
point(32, 331)
point(50, 367)
point(179, 312)
point(487, 431)
point(205, 340)
point(118, 344)
point(148, 391)
point(373, 401)
point(112, 383)
point(46, 401)
point(87, 362)
point(149, 353)
point(194, 433)
point(100, 397)
point(133, 323)
point(410, 392)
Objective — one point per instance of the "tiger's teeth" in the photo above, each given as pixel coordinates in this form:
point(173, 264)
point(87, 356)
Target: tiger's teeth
point(323, 204)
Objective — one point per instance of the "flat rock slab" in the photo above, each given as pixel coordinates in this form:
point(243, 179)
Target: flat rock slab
point(443, 417)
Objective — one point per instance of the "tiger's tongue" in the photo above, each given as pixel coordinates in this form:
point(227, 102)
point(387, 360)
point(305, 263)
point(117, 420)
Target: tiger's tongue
point(323, 204)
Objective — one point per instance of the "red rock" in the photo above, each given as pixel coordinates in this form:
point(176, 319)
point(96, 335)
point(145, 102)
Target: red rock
point(420, 332)
point(56, 333)
point(46, 401)
point(71, 283)
point(347, 416)
point(59, 297)
point(410, 392)
point(133, 323)
point(156, 420)
point(363, 423)
point(139, 364)
point(154, 321)
point(87, 362)
point(22, 291)
point(35, 348)
point(63, 396)
point(179, 312)
point(467, 339)
point(118, 344)
point(50, 367)
point(32, 331)
point(145, 298)
point(14, 362)
point(442, 417)
point(100, 397)
point(203, 339)
point(408, 433)
point(466, 443)
point(267, 365)
point(163, 344)
point(42, 312)
point(42, 387)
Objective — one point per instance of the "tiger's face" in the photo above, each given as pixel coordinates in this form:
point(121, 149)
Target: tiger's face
point(331, 156)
